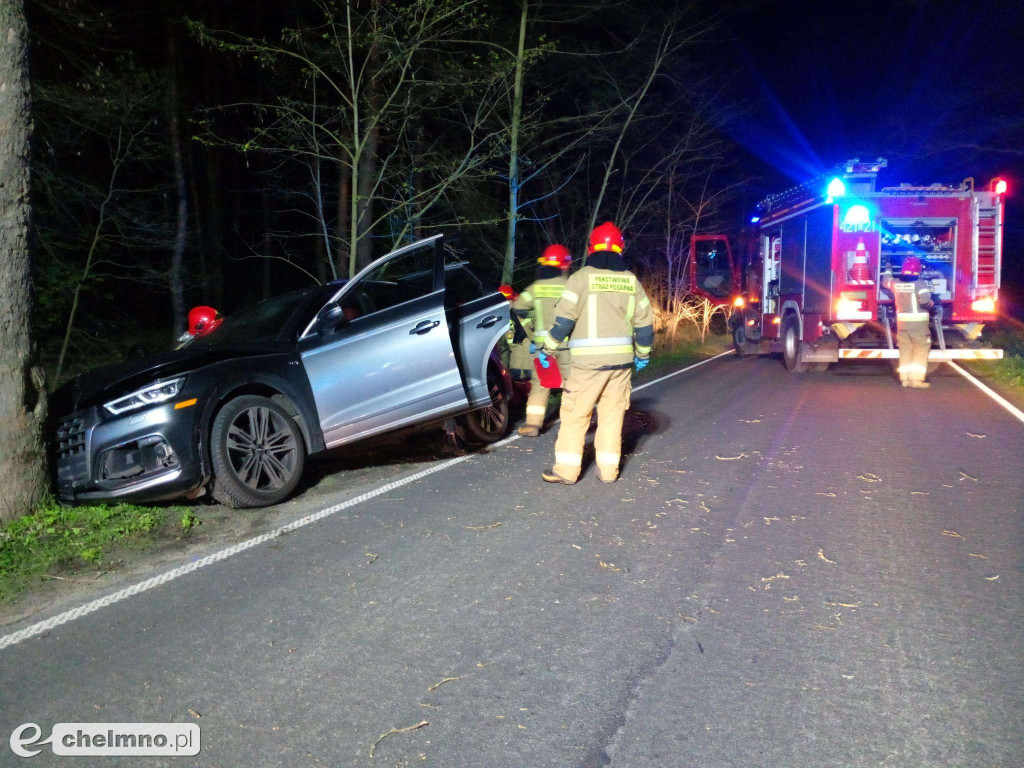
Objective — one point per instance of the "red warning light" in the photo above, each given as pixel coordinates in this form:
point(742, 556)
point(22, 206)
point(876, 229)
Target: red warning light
point(999, 185)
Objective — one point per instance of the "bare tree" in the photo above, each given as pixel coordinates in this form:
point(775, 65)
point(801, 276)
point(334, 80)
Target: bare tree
point(367, 75)
point(23, 474)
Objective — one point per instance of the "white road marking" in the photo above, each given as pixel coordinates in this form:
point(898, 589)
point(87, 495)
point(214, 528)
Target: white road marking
point(143, 586)
point(1014, 410)
point(681, 370)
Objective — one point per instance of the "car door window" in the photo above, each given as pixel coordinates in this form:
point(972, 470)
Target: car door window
point(404, 278)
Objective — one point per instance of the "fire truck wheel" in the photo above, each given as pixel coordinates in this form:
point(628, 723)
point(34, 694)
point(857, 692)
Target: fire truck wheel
point(791, 345)
point(739, 340)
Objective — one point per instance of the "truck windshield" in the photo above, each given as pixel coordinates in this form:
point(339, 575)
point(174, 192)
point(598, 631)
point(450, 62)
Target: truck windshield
point(712, 267)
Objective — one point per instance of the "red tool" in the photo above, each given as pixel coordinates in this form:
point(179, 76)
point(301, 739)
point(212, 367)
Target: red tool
point(550, 377)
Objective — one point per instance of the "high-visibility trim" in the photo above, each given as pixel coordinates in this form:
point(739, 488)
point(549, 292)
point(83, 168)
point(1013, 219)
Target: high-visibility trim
point(591, 316)
point(605, 247)
point(644, 302)
point(549, 342)
point(607, 341)
point(643, 351)
point(568, 459)
point(913, 368)
point(526, 296)
point(924, 290)
point(568, 295)
point(934, 355)
point(911, 315)
point(626, 349)
point(608, 458)
point(536, 410)
point(539, 334)
point(630, 309)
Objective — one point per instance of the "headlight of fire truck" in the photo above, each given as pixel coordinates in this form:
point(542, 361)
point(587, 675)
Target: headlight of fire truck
point(738, 302)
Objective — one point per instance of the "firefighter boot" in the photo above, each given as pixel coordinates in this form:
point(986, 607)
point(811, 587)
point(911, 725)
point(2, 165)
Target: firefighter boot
point(611, 410)
point(550, 476)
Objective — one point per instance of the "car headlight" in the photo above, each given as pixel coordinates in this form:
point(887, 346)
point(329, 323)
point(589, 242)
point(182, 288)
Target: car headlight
point(157, 392)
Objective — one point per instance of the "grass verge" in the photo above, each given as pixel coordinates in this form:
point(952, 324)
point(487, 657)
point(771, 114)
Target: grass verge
point(67, 539)
point(1008, 372)
point(686, 350)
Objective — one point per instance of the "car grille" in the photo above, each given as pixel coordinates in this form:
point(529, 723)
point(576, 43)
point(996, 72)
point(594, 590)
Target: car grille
point(72, 449)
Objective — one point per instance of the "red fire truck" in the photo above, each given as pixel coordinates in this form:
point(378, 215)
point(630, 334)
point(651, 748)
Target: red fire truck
point(810, 282)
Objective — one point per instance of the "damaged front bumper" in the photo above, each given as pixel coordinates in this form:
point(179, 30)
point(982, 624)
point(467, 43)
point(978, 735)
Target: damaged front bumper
point(142, 456)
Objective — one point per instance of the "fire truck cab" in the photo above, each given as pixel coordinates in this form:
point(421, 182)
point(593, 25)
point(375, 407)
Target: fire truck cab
point(811, 282)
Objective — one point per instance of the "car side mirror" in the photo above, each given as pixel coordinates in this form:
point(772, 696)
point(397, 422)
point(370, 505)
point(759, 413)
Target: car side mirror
point(330, 317)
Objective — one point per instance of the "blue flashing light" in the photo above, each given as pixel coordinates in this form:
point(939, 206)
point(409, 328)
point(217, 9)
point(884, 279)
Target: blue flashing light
point(836, 188)
point(754, 219)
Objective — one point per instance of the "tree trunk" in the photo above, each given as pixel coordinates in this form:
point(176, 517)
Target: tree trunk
point(23, 476)
point(342, 228)
point(175, 277)
point(364, 208)
point(513, 157)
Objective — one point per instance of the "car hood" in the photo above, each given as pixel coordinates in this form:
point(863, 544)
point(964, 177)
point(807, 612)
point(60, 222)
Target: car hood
point(107, 382)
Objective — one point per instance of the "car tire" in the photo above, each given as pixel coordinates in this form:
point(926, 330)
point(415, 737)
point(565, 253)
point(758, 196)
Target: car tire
point(487, 425)
point(257, 453)
point(791, 345)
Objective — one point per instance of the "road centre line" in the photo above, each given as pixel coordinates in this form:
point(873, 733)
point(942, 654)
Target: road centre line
point(1014, 410)
point(143, 586)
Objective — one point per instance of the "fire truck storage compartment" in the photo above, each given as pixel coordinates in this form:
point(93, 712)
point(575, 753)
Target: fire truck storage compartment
point(933, 241)
point(807, 259)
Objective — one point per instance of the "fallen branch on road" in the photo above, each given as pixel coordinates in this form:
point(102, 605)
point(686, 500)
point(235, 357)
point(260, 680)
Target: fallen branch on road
point(407, 729)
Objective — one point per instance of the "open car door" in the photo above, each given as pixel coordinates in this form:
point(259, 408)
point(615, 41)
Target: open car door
point(478, 316)
point(379, 354)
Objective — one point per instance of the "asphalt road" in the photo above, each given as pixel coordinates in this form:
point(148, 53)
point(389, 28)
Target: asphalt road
point(821, 570)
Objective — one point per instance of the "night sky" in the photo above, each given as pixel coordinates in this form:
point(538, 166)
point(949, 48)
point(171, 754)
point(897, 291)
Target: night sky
point(913, 81)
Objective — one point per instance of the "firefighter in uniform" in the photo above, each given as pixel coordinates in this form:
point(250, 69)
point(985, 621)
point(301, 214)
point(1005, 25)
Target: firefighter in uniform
point(912, 299)
point(609, 322)
point(520, 361)
point(535, 308)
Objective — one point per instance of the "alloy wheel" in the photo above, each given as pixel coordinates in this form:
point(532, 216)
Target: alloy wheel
point(262, 449)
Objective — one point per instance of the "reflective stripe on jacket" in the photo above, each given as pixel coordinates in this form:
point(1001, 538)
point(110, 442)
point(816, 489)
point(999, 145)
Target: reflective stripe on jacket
point(912, 301)
point(538, 301)
point(607, 317)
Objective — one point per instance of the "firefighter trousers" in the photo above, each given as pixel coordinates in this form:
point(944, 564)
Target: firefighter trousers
point(537, 402)
point(914, 340)
point(609, 391)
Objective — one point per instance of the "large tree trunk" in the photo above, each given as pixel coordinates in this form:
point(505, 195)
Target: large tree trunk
point(176, 277)
point(23, 475)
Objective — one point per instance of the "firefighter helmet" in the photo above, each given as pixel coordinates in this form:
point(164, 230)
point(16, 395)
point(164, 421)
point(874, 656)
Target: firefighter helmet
point(555, 255)
point(203, 320)
point(911, 267)
point(508, 292)
point(606, 237)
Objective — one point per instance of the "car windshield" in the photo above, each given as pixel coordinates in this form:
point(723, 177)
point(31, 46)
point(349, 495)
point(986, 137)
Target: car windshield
point(263, 322)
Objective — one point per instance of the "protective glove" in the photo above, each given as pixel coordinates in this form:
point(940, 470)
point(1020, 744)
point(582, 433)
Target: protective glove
point(543, 357)
point(640, 364)
point(533, 348)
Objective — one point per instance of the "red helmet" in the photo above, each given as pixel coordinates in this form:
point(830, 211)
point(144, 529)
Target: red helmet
point(911, 267)
point(203, 320)
point(606, 237)
point(508, 292)
point(556, 255)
